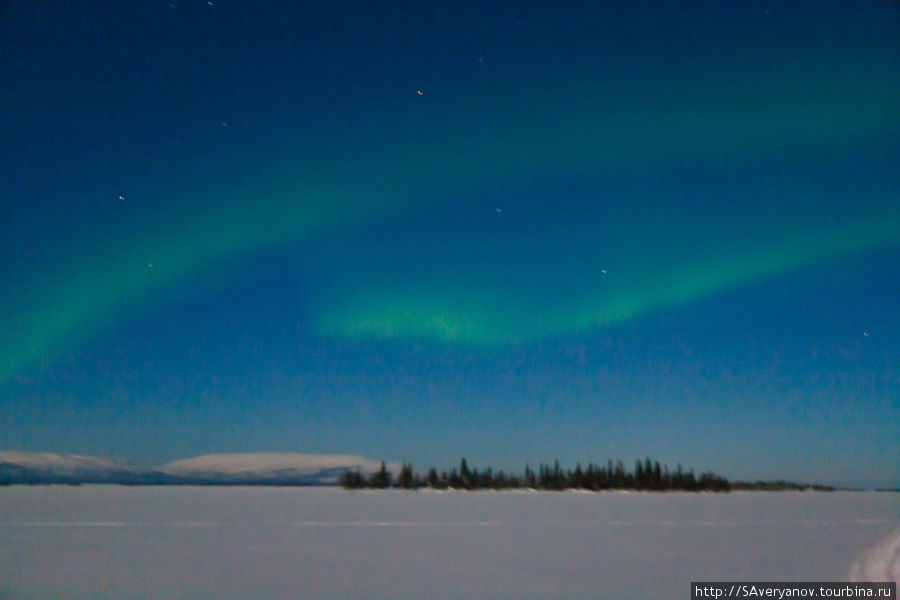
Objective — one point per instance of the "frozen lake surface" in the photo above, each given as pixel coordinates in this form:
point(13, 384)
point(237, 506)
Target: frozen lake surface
point(251, 542)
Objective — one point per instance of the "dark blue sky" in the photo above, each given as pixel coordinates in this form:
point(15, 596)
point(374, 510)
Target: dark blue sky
point(413, 231)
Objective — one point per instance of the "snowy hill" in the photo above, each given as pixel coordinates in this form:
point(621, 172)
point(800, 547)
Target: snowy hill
point(268, 467)
point(212, 469)
point(47, 467)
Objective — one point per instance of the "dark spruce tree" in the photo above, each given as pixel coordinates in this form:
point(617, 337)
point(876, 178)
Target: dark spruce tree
point(455, 481)
point(406, 480)
point(432, 480)
point(382, 478)
point(352, 480)
point(530, 479)
point(578, 478)
point(464, 475)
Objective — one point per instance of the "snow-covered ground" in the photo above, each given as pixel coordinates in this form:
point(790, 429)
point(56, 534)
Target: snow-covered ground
point(250, 542)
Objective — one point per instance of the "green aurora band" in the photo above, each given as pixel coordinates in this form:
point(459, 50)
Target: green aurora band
point(79, 297)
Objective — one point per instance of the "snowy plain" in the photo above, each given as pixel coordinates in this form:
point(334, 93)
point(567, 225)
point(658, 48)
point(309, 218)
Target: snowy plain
point(103, 541)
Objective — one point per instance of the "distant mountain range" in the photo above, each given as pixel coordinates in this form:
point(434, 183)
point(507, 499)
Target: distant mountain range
point(213, 469)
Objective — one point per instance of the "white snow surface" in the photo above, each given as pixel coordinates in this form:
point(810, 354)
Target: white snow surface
point(267, 464)
point(99, 542)
point(881, 563)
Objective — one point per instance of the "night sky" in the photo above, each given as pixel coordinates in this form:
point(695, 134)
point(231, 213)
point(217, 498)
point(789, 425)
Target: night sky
point(422, 230)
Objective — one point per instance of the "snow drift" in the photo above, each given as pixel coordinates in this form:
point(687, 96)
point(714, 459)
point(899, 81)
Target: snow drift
point(881, 563)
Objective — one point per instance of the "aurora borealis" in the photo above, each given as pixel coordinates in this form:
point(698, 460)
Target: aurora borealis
point(408, 231)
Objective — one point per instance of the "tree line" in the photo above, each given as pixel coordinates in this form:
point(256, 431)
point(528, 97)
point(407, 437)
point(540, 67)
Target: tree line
point(646, 475)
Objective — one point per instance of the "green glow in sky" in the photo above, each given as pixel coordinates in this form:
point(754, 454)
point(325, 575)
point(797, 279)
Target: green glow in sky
point(334, 193)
